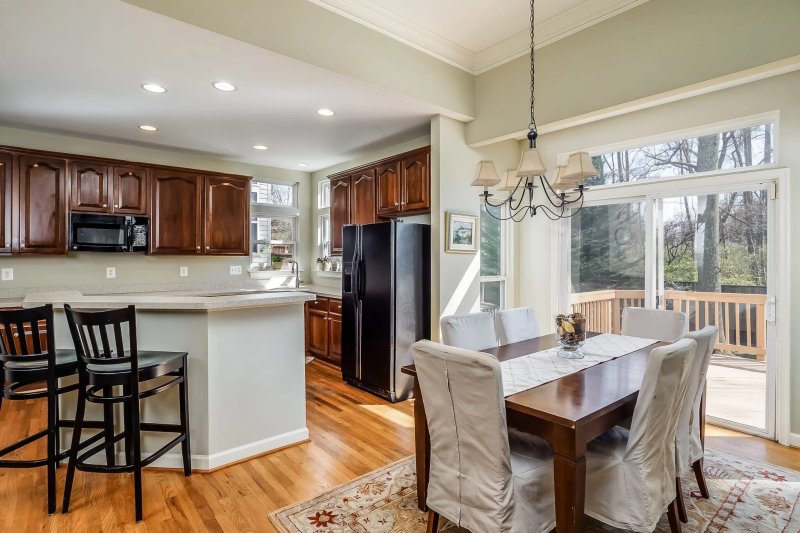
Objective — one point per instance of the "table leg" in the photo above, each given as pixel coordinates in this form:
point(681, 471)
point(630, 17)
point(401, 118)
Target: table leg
point(570, 487)
point(422, 444)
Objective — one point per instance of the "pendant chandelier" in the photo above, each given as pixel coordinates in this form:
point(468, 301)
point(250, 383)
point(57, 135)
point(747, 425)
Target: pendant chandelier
point(560, 199)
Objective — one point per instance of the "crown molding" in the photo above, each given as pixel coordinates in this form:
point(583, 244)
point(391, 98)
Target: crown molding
point(551, 30)
point(408, 32)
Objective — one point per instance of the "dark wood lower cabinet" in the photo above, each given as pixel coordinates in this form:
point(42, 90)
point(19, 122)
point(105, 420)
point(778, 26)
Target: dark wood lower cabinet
point(324, 329)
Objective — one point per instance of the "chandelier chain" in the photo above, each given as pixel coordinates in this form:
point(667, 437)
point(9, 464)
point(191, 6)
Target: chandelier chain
point(532, 125)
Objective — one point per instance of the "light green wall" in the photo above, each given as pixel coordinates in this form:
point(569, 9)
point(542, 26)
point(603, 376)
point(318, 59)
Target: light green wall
point(778, 93)
point(309, 33)
point(658, 46)
point(85, 268)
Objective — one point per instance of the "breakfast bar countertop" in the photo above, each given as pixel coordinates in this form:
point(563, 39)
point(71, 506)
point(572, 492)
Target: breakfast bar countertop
point(179, 300)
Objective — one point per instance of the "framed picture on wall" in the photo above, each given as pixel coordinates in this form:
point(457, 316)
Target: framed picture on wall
point(462, 233)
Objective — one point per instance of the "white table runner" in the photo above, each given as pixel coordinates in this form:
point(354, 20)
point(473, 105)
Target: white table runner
point(528, 371)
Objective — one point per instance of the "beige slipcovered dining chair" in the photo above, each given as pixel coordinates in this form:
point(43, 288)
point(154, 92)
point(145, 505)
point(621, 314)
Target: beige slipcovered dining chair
point(481, 478)
point(630, 474)
point(659, 324)
point(688, 442)
point(474, 331)
point(515, 325)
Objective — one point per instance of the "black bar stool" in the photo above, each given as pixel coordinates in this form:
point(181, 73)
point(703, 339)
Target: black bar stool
point(28, 358)
point(102, 370)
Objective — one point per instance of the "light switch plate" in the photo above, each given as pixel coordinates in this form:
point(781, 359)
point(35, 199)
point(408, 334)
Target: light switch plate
point(8, 274)
point(184, 271)
point(236, 270)
point(111, 272)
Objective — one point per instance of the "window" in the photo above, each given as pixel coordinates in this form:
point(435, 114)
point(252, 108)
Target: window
point(273, 224)
point(736, 148)
point(277, 194)
point(325, 235)
point(493, 259)
point(324, 194)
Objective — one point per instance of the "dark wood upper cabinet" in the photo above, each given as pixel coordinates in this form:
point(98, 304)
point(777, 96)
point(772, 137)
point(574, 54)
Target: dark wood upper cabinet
point(227, 201)
point(42, 205)
point(340, 211)
point(176, 212)
point(6, 180)
point(90, 186)
point(362, 197)
point(388, 190)
point(416, 183)
point(131, 190)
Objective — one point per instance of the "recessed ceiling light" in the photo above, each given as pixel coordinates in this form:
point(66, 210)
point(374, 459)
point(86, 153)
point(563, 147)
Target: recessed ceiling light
point(224, 86)
point(153, 88)
point(302, 164)
point(147, 127)
point(325, 112)
point(260, 147)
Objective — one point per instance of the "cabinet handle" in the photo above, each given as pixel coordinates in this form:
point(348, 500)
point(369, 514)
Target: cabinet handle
point(198, 247)
point(116, 206)
point(396, 204)
point(22, 244)
point(105, 205)
point(208, 247)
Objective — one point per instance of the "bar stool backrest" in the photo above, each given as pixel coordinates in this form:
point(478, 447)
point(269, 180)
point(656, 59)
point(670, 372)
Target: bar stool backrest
point(87, 328)
point(26, 335)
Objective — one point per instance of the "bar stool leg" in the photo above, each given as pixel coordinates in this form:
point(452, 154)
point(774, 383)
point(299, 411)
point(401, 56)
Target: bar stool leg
point(73, 451)
point(137, 456)
point(128, 424)
point(184, 410)
point(52, 442)
point(108, 419)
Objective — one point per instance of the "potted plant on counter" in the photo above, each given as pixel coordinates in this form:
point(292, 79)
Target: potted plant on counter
point(277, 262)
point(324, 263)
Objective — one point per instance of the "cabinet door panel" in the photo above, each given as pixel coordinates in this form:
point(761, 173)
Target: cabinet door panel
point(388, 188)
point(227, 221)
point(131, 187)
point(175, 226)
point(362, 199)
point(6, 179)
point(42, 205)
point(90, 185)
point(416, 183)
point(335, 339)
point(317, 325)
point(340, 211)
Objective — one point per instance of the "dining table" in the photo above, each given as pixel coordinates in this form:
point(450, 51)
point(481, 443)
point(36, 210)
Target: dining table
point(568, 413)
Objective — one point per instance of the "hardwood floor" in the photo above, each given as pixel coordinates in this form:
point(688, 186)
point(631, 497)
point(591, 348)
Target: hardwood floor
point(352, 433)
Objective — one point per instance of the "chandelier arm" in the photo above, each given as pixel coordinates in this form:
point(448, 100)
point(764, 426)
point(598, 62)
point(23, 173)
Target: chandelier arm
point(545, 186)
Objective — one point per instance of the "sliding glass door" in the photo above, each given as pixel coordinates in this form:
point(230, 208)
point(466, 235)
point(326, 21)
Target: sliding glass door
point(705, 252)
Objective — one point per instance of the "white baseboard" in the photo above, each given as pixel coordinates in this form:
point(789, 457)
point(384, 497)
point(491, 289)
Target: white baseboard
point(794, 440)
point(174, 459)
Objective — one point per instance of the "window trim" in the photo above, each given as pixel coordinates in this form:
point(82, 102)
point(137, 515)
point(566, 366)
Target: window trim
point(506, 261)
point(321, 185)
point(258, 206)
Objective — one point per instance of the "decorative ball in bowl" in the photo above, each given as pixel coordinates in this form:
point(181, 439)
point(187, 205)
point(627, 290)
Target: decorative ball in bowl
point(571, 333)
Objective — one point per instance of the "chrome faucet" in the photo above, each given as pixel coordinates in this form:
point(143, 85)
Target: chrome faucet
point(296, 273)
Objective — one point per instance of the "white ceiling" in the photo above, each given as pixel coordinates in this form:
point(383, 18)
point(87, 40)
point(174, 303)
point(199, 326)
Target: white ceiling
point(476, 35)
point(76, 66)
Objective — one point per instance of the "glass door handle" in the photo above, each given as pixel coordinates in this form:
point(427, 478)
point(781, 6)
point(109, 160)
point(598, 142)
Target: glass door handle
point(769, 312)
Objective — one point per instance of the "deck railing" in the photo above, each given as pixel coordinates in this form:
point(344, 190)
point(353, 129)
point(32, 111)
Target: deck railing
point(739, 317)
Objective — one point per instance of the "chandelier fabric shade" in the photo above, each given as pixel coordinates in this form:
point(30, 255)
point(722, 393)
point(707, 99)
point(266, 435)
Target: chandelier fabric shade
point(530, 164)
point(486, 176)
point(579, 167)
point(509, 181)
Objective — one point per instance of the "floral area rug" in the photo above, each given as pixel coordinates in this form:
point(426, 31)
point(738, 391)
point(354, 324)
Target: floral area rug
point(746, 496)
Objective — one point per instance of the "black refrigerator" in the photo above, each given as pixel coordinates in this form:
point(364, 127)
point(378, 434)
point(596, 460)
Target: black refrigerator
point(386, 304)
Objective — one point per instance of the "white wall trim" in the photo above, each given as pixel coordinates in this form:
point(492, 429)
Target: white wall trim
point(776, 68)
point(407, 32)
point(551, 30)
point(795, 440)
point(216, 460)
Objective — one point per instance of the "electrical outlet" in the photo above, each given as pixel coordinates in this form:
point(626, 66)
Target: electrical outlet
point(8, 274)
point(184, 271)
point(236, 270)
point(111, 272)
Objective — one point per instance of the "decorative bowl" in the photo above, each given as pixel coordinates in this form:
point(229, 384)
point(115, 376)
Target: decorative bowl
point(571, 334)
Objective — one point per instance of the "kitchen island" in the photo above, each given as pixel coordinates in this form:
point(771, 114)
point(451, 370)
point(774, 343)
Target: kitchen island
point(246, 367)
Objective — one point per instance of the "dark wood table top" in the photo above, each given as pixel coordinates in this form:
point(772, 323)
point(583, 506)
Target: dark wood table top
point(577, 397)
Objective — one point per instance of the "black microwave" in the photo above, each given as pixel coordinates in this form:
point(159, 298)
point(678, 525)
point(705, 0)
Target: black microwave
point(108, 233)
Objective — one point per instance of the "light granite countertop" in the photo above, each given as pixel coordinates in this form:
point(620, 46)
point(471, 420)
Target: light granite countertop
point(179, 300)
